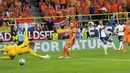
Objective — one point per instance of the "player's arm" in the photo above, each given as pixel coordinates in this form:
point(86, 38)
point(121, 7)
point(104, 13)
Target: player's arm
point(101, 27)
point(39, 56)
point(34, 54)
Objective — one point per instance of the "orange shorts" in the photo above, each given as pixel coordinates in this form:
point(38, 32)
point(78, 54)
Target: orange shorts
point(126, 39)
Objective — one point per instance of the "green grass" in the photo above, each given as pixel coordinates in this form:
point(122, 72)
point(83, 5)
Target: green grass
point(80, 63)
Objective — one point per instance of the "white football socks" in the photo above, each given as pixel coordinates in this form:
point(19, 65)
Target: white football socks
point(113, 45)
point(121, 45)
point(105, 48)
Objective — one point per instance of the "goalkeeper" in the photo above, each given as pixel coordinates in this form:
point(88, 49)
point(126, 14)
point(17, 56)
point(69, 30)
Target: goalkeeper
point(26, 47)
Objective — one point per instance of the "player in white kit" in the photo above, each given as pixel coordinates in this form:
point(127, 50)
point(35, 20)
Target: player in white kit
point(104, 37)
point(119, 31)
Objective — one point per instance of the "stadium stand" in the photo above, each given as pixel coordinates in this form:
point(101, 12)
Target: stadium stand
point(81, 8)
point(54, 12)
point(14, 8)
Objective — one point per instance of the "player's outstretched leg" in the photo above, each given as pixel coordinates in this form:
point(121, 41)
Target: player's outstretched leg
point(68, 54)
point(121, 45)
point(63, 52)
point(68, 50)
point(113, 45)
point(5, 58)
point(105, 49)
point(124, 47)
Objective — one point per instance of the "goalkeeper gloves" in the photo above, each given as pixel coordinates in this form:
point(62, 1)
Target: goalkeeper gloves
point(45, 57)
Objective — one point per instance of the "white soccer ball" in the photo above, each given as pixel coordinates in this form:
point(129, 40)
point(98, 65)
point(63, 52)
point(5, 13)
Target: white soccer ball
point(21, 62)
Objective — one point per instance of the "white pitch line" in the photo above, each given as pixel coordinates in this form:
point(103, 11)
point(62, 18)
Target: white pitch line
point(95, 59)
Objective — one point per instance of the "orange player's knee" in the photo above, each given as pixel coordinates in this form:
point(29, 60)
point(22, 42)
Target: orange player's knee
point(129, 43)
point(65, 47)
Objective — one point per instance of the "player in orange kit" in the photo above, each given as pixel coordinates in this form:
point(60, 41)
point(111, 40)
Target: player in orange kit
point(70, 41)
point(126, 38)
point(26, 47)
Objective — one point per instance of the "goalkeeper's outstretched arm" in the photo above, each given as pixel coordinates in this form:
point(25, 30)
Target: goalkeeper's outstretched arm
point(39, 56)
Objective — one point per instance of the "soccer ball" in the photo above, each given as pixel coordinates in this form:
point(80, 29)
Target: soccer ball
point(21, 62)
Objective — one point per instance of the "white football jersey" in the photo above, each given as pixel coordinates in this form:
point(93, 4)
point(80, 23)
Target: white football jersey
point(119, 29)
point(101, 31)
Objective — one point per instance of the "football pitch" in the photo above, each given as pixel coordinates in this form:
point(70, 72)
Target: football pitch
point(82, 61)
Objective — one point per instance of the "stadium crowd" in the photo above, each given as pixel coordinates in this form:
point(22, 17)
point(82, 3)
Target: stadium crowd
point(82, 7)
point(14, 8)
point(55, 9)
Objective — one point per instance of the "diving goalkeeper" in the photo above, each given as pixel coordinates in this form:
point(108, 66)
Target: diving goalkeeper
point(25, 48)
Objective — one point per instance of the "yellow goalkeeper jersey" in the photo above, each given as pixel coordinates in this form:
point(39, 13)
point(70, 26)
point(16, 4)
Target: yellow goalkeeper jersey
point(21, 49)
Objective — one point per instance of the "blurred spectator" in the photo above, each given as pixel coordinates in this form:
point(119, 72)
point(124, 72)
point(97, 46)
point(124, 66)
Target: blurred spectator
point(20, 37)
point(53, 8)
point(114, 8)
point(14, 8)
point(72, 10)
point(103, 10)
point(57, 5)
point(111, 22)
point(85, 11)
point(124, 7)
point(85, 33)
point(63, 3)
point(92, 11)
point(1, 21)
point(43, 8)
point(55, 35)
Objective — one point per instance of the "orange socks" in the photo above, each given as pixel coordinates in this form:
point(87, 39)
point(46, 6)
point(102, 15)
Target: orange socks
point(68, 53)
point(124, 46)
point(65, 51)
